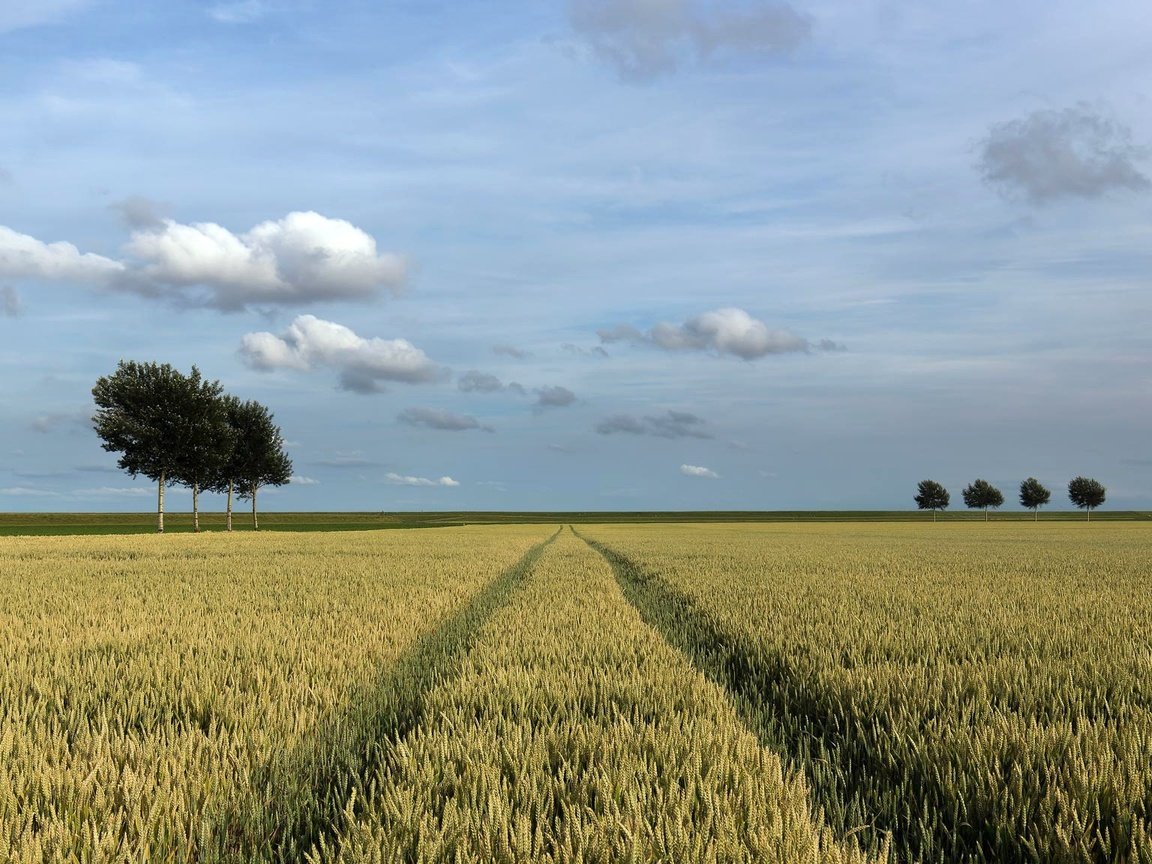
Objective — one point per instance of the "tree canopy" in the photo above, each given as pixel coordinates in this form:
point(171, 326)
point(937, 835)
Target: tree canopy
point(981, 495)
point(1033, 495)
point(1086, 493)
point(176, 428)
point(930, 495)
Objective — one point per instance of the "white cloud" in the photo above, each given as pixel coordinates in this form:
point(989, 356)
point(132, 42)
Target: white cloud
point(642, 39)
point(363, 363)
point(1075, 153)
point(401, 480)
point(724, 331)
point(24, 257)
point(297, 480)
point(113, 492)
point(698, 471)
point(302, 258)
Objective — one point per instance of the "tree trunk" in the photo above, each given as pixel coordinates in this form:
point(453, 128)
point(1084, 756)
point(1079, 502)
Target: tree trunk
point(1089, 509)
point(229, 505)
point(985, 514)
point(255, 521)
point(1035, 514)
point(933, 514)
point(160, 504)
point(196, 508)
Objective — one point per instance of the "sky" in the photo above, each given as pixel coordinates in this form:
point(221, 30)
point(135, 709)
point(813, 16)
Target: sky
point(586, 254)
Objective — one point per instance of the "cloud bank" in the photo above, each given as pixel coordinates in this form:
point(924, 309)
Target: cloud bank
point(302, 258)
point(723, 331)
point(698, 471)
point(643, 39)
point(1049, 155)
point(673, 424)
point(475, 381)
point(364, 364)
point(402, 480)
point(434, 418)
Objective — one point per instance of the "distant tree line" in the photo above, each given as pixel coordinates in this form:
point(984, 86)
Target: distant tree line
point(181, 429)
point(1084, 492)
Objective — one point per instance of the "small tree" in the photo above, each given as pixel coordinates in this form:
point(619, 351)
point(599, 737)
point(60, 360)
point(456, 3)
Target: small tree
point(138, 415)
point(930, 495)
point(208, 441)
point(982, 494)
point(258, 458)
point(1033, 496)
point(1086, 493)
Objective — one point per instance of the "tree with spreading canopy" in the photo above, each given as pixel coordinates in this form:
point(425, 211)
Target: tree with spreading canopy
point(982, 494)
point(1086, 493)
point(145, 412)
point(208, 441)
point(1033, 496)
point(257, 458)
point(930, 495)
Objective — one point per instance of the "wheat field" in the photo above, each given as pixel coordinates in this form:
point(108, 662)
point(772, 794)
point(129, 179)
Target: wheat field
point(689, 693)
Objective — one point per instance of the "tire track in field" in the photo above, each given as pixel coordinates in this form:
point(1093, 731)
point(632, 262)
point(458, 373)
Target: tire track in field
point(756, 684)
point(329, 771)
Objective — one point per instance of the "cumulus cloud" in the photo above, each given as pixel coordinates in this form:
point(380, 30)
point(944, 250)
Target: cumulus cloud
point(434, 418)
point(510, 351)
point(24, 257)
point(297, 480)
point(723, 331)
point(672, 424)
point(27, 492)
point(698, 471)
point(10, 304)
point(364, 364)
point(643, 39)
point(554, 397)
point(1078, 152)
point(402, 480)
point(302, 258)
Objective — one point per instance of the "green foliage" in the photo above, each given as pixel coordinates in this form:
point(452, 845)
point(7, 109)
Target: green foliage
point(981, 495)
point(1086, 493)
point(930, 495)
point(1033, 494)
point(139, 416)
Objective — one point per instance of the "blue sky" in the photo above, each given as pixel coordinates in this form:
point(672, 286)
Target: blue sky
point(586, 254)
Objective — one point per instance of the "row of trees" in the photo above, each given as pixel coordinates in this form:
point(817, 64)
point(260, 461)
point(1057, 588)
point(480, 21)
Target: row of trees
point(1084, 492)
point(181, 429)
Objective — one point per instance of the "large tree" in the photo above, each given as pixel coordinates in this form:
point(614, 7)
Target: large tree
point(257, 459)
point(930, 495)
point(209, 438)
point(1086, 493)
point(1033, 496)
point(982, 494)
point(139, 416)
